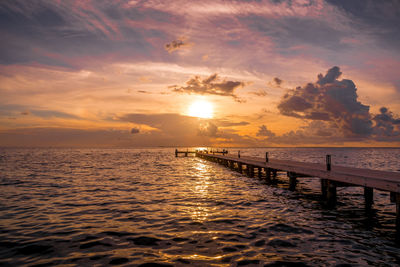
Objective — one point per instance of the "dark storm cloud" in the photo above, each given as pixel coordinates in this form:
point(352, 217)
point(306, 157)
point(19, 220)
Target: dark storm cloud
point(211, 85)
point(263, 131)
point(378, 18)
point(335, 102)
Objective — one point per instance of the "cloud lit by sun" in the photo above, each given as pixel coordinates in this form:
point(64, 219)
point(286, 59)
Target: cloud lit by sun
point(201, 109)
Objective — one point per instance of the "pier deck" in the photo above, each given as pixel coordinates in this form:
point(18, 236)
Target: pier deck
point(331, 176)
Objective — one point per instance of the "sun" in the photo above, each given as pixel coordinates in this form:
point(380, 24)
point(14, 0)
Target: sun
point(201, 109)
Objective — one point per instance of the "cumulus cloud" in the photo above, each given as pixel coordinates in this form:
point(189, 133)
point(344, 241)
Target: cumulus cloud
point(329, 99)
point(263, 131)
point(335, 102)
point(211, 85)
point(207, 129)
point(176, 44)
point(386, 125)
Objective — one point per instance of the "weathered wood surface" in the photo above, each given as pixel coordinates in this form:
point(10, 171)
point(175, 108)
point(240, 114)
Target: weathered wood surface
point(384, 180)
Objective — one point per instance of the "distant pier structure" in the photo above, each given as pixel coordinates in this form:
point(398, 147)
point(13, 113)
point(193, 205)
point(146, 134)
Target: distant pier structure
point(188, 152)
point(331, 177)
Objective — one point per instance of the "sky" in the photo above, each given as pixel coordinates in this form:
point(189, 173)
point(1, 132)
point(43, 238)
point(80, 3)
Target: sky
point(199, 73)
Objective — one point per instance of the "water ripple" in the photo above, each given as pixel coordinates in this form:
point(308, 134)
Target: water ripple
point(144, 207)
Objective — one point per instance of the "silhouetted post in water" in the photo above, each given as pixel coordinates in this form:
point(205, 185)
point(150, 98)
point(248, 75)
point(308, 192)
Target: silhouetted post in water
point(239, 154)
point(324, 188)
point(266, 157)
point(259, 172)
point(268, 174)
point(240, 168)
point(369, 197)
point(292, 180)
point(331, 194)
point(328, 162)
point(274, 174)
point(251, 169)
point(176, 152)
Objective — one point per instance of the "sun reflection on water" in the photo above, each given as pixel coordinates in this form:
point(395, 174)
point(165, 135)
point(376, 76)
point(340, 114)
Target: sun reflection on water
point(201, 190)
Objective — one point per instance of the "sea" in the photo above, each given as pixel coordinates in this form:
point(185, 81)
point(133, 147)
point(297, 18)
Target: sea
point(146, 207)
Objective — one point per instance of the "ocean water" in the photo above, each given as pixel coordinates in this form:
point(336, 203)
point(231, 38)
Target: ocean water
point(97, 207)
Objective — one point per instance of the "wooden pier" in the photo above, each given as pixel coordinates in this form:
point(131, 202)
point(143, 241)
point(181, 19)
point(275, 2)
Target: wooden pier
point(330, 176)
point(187, 152)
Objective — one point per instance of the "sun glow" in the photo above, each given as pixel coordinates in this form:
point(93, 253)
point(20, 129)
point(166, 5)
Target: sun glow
point(201, 109)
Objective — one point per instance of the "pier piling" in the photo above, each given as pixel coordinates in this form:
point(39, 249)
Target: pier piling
point(369, 197)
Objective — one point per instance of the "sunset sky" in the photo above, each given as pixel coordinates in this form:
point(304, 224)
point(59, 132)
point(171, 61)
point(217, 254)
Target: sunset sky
point(199, 73)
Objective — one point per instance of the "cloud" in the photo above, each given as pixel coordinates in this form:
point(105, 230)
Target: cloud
point(175, 129)
point(335, 104)
point(134, 131)
point(379, 18)
point(278, 81)
point(329, 99)
point(386, 125)
point(263, 131)
point(176, 45)
point(261, 93)
point(207, 129)
point(227, 123)
point(211, 85)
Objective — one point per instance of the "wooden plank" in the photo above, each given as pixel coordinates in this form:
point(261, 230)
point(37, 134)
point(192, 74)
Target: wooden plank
point(383, 180)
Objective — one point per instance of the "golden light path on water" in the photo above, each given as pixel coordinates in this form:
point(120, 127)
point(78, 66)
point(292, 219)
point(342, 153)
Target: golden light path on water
point(200, 188)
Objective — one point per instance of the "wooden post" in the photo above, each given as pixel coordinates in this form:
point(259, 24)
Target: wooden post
point(259, 172)
point(266, 157)
point(251, 171)
point(392, 197)
point(324, 188)
point(239, 154)
point(274, 174)
point(176, 153)
point(369, 197)
point(240, 167)
point(292, 181)
point(328, 162)
point(268, 174)
point(331, 194)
